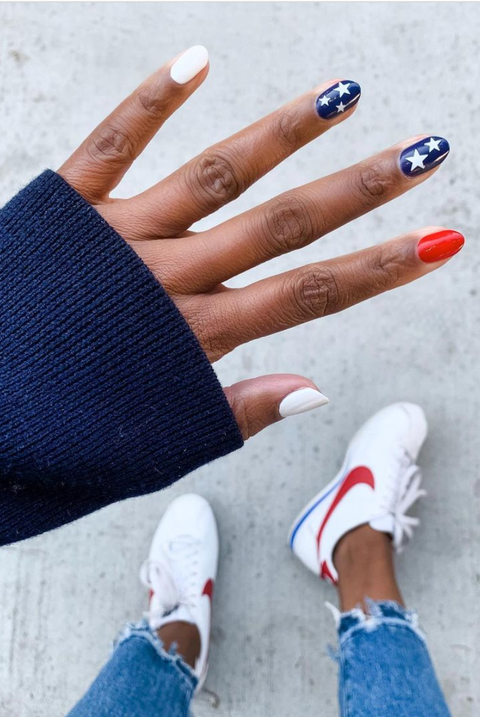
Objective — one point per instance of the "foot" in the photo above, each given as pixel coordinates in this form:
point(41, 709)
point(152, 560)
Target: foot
point(180, 573)
point(377, 484)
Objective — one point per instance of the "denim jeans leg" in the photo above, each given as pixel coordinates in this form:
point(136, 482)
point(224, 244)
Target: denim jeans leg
point(141, 679)
point(385, 667)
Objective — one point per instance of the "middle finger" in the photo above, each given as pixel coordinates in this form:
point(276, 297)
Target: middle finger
point(296, 218)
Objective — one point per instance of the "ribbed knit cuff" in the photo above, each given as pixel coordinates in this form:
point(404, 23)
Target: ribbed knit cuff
point(105, 392)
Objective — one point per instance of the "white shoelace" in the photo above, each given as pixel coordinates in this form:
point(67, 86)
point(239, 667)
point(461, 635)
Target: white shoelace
point(399, 498)
point(173, 576)
point(409, 493)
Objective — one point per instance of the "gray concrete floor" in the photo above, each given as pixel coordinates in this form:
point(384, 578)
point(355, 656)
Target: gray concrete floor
point(64, 595)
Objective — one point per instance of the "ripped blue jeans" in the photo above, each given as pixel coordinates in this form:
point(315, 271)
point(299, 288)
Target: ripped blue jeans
point(384, 671)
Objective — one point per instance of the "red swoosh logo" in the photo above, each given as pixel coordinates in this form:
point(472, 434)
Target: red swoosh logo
point(356, 476)
point(326, 574)
point(208, 589)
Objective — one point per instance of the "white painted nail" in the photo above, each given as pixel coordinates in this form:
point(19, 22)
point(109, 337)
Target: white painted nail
point(300, 401)
point(189, 64)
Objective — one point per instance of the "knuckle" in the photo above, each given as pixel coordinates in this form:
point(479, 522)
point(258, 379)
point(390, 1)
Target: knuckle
point(375, 185)
point(316, 292)
point(288, 130)
point(111, 144)
point(385, 269)
point(207, 326)
point(217, 180)
point(151, 101)
point(215, 348)
point(239, 407)
point(288, 225)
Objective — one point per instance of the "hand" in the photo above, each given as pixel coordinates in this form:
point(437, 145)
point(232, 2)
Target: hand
point(193, 266)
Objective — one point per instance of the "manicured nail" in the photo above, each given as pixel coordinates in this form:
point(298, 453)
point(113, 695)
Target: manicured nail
point(300, 401)
point(189, 64)
point(424, 155)
point(439, 246)
point(337, 99)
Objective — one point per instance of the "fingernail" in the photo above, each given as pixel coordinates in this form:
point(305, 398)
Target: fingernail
point(189, 64)
point(300, 401)
point(338, 99)
point(423, 155)
point(439, 246)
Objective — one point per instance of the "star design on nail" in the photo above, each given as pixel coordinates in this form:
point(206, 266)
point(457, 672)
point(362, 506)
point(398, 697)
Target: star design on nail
point(433, 144)
point(341, 107)
point(343, 88)
point(324, 101)
point(417, 160)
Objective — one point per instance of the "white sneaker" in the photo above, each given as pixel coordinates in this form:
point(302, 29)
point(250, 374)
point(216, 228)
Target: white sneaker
point(377, 484)
point(181, 570)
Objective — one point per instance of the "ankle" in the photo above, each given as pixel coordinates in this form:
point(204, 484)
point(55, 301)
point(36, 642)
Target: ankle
point(364, 562)
point(362, 547)
point(186, 638)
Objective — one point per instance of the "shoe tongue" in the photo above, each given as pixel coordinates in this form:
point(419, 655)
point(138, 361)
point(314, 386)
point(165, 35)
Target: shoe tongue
point(165, 593)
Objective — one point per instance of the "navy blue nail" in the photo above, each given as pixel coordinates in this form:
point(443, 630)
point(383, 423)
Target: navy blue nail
point(338, 99)
point(423, 155)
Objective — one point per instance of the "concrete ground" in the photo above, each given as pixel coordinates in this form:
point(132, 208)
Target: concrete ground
point(64, 595)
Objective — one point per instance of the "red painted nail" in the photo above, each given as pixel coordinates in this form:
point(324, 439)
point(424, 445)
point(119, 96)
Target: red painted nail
point(439, 246)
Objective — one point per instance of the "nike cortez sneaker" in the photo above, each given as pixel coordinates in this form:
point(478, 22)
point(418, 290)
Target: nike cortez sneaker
point(377, 484)
point(181, 569)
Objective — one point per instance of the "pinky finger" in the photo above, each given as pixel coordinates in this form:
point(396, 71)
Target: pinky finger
point(100, 162)
point(258, 402)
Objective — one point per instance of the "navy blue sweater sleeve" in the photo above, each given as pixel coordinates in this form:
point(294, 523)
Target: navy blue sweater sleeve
point(105, 392)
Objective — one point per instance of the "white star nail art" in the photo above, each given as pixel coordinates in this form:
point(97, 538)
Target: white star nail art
point(343, 88)
point(433, 144)
point(324, 101)
point(341, 107)
point(417, 160)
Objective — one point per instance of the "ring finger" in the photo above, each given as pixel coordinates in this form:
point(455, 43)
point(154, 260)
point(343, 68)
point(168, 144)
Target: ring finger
point(298, 217)
point(228, 168)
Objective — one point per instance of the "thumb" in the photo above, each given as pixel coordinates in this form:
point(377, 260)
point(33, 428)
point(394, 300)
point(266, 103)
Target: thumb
point(258, 402)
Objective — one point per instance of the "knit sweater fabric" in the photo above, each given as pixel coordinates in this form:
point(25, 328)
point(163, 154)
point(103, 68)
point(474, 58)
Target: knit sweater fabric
point(105, 392)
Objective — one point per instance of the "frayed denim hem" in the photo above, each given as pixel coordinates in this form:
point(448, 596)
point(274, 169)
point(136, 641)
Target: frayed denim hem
point(379, 613)
point(142, 630)
point(383, 612)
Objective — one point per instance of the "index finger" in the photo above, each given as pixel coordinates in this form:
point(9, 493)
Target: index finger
point(323, 288)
